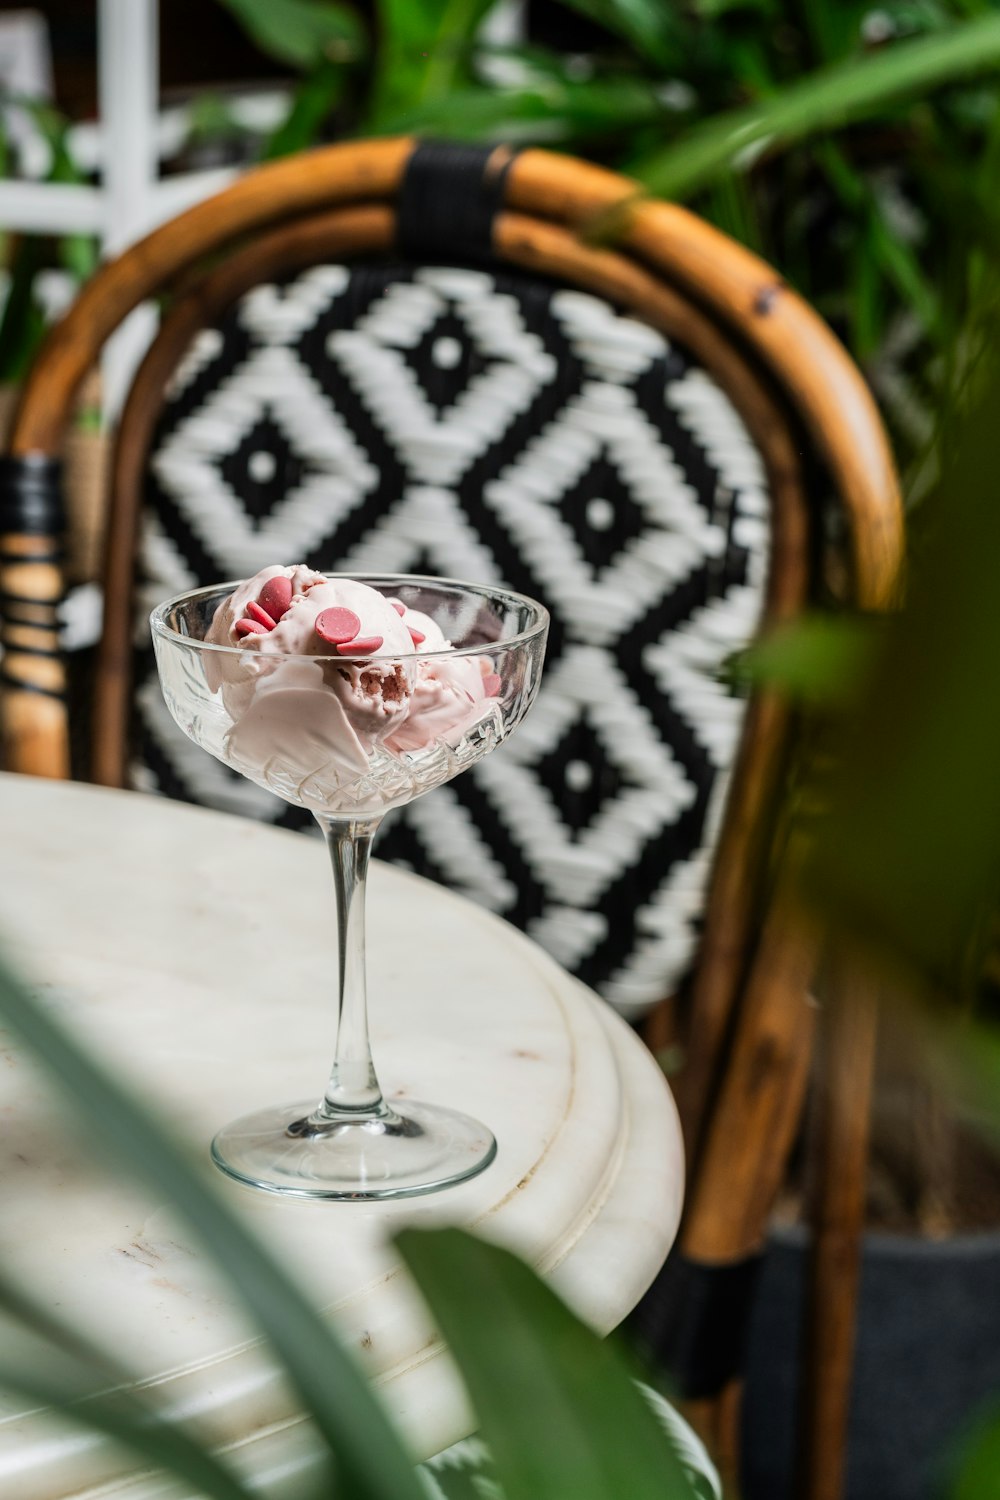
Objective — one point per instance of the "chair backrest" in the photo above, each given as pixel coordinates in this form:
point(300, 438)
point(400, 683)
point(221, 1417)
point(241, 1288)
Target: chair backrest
point(442, 374)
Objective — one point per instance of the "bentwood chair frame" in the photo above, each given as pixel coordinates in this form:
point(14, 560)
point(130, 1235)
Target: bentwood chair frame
point(809, 413)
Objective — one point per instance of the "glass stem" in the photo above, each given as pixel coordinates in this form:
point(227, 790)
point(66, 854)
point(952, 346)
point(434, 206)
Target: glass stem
point(353, 1091)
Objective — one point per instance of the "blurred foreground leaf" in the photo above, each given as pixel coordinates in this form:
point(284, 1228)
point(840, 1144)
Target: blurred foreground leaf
point(815, 659)
point(75, 1389)
point(966, 1054)
point(909, 857)
point(52, 1364)
point(557, 1406)
point(371, 1461)
point(980, 1468)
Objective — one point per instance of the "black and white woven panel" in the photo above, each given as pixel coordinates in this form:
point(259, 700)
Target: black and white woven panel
point(496, 428)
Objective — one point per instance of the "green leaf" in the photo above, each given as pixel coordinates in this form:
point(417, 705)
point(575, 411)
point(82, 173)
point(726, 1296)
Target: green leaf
point(424, 52)
point(73, 1390)
point(980, 1466)
point(909, 858)
point(733, 209)
point(301, 32)
point(22, 325)
point(58, 1366)
point(712, 10)
point(312, 103)
point(368, 1451)
point(552, 112)
point(816, 659)
point(21, 1307)
point(966, 1052)
point(866, 301)
point(828, 99)
point(557, 1407)
point(654, 29)
point(464, 1472)
point(78, 253)
point(896, 259)
point(833, 27)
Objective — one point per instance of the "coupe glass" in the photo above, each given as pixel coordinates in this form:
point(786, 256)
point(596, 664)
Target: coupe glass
point(354, 1143)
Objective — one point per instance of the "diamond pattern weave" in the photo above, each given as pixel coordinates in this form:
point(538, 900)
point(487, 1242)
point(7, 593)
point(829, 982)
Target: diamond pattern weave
point(490, 427)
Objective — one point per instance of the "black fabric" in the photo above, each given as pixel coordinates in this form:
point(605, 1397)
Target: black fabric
point(9, 680)
point(695, 1318)
point(31, 502)
point(448, 198)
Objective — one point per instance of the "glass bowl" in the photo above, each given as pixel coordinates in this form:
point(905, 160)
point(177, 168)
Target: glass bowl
point(350, 734)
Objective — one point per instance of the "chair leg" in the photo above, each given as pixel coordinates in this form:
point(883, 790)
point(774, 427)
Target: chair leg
point(730, 914)
point(748, 1141)
point(659, 1028)
point(759, 1103)
point(839, 1157)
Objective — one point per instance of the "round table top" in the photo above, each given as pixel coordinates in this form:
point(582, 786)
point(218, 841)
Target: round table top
point(185, 946)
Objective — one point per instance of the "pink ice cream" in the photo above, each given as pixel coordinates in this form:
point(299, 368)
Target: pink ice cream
point(307, 727)
point(446, 693)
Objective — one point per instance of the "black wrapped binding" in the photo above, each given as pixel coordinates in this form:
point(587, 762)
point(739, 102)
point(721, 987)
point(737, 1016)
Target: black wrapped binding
point(448, 199)
point(31, 502)
point(695, 1318)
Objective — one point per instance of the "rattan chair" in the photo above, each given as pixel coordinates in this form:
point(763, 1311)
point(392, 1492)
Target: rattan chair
point(459, 360)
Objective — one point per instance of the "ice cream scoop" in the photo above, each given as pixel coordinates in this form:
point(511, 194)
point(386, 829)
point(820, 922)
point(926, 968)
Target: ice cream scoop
point(330, 672)
point(447, 691)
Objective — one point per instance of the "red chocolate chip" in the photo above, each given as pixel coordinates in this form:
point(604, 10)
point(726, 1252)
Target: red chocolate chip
point(260, 615)
point(337, 625)
point(363, 646)
point(276, 596)
point(492, 685)
point(398, 606)
point(249, 627)
point(417, 636)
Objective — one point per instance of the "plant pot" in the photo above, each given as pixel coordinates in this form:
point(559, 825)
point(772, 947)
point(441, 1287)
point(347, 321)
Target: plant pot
point(928, 1358)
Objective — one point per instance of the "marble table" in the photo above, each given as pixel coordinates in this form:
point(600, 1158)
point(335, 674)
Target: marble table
point(138, 921)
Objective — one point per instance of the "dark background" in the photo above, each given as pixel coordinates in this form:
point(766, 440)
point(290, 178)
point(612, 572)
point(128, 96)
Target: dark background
point(201, 44)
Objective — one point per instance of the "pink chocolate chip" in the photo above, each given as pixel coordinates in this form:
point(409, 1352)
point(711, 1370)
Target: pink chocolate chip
point(398, 606)
point(337, 625)
point(417, 636)
point(249, 627)
point(363, 646)
point(492, 685)
point(262, 617)
point(276, 596)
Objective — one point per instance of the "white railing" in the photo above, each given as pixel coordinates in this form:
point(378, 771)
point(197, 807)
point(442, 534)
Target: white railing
point(125, 147)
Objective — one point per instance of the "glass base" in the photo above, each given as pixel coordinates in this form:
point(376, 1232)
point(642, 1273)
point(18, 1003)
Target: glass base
point(294, 1150)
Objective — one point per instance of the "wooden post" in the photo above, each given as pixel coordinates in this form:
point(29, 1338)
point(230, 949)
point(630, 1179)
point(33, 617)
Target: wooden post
point(748, 1139)
point(838, 1159)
